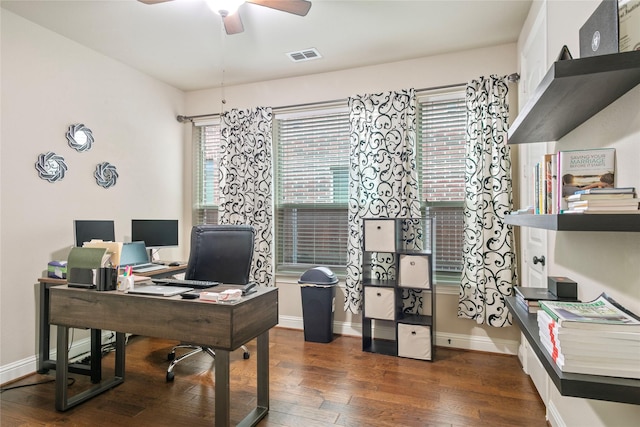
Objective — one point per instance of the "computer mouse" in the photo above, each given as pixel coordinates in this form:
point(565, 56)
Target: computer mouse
point(174, 264)
point(190, 295)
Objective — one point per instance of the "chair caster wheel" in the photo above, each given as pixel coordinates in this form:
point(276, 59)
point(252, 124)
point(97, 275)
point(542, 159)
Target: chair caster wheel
point(169, 377)
point(246, 355)
point(171, 356)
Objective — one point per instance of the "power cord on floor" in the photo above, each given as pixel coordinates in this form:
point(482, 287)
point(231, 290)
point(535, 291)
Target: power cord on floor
point(70, 381)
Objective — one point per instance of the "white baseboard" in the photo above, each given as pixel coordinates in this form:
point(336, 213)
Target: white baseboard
point(553, 416)
point(465, 342)
point(29, 365)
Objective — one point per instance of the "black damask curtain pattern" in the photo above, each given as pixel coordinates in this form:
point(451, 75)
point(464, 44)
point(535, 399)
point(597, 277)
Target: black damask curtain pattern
point(383, 180)
point(246, 181)
point(489, 259)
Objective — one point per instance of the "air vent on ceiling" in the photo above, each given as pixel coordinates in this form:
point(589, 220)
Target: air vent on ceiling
point(304, 55)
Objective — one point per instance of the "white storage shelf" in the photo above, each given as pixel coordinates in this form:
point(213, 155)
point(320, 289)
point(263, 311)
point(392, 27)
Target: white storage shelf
point(404, 269)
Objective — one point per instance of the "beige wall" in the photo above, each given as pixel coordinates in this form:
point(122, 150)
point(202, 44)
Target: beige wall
point(49, 83)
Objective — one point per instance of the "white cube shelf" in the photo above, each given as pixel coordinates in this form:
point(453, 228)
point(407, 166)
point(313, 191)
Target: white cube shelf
point(397, 268)
point(379, 303)
point(414, 272)
point(414, 341)
point(380, 235)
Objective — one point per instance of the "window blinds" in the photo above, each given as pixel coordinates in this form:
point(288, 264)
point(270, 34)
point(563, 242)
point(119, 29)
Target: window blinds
point(207, 175)
point(441, 127)
point(312, 174)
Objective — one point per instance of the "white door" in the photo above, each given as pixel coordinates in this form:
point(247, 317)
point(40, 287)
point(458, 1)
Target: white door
point(533, 67)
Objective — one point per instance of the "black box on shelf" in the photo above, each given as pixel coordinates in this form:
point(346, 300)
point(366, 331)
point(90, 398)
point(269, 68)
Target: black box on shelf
point(562, 287)
point(600, 34)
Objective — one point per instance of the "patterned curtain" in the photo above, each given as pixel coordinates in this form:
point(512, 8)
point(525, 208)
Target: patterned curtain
point(383, 181)
point(246, 182)
point(489, 260)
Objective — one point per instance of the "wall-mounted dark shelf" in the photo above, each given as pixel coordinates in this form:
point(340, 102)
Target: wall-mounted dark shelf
point(577, 222)
point(572, 92)
point(612, 389)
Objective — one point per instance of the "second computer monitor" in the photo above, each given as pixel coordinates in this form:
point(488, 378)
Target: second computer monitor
point(155, 233)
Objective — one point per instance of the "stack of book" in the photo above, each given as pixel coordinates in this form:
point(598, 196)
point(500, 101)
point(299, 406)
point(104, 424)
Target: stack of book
point(529, 298)
point(597, 338)
point(604, 200)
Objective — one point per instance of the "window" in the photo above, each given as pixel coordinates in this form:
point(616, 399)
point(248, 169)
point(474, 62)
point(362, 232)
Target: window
point(312, 174)
point(441, 136)
point(207, 174)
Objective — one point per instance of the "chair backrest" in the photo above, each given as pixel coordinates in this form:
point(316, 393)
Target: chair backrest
point(221, 253)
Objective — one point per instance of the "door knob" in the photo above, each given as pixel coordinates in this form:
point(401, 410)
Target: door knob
point(539, 260)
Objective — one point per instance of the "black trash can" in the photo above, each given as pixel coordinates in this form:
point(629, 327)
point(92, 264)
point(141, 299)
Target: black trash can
point(318, 303)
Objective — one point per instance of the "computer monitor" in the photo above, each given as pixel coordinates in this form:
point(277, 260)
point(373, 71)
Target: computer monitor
point(155, 233)
point(86, 230)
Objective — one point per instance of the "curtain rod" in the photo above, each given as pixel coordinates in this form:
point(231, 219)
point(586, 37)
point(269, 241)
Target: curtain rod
point(511, 77)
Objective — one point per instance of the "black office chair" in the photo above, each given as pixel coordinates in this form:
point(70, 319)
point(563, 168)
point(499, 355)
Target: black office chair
point(220, 253)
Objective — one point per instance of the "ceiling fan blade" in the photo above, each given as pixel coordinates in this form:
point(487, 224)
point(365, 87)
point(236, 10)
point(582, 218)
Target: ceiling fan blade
point(297, 7)
point(153, 1)
point(233, 24)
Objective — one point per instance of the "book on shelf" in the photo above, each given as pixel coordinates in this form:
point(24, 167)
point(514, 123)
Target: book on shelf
point(601, 196)
point(536, 188)
point(603, 313)
point(605, 203)
point(529, 297)
point(607, 190)
point(545, 184)
point(595, 211)
point(580, 170)
point(533, 294)
point(529, 306)
point(595, 206)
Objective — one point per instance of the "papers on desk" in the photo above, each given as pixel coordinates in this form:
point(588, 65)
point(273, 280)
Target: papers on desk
point(224, 296)
point(114, 249)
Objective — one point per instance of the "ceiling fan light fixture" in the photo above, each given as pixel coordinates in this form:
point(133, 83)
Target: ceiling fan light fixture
point(224, 7)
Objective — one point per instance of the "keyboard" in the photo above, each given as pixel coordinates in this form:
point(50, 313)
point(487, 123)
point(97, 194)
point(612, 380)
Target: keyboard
point(196, 284)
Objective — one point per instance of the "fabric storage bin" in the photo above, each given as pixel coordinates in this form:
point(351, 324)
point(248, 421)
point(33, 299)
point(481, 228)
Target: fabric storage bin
point(379, 303)
point(379, 235)
point(414, 272)
point(414, 341)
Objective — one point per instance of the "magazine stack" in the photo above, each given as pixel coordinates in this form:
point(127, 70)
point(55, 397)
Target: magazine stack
point(604, 200)
point(599, 337)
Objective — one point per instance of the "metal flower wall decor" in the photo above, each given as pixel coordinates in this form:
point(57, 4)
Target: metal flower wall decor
point(51, 166)
point(80, 137)
point(106, 175)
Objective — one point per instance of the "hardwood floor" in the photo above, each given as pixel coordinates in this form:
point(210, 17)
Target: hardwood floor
point(312, 384)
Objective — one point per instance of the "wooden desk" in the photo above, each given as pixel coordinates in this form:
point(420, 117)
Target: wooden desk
point(223, 326)
point(45, 363)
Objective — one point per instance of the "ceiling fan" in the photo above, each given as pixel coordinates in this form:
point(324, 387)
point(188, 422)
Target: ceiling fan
point(228, 8)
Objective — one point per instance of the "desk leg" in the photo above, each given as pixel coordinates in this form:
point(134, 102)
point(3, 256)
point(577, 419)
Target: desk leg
point(44, 341)
point(63, 401)
point(263, 372)
point(223, 404)
point(262, 407)
point(62, 368)
point(96, 356)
